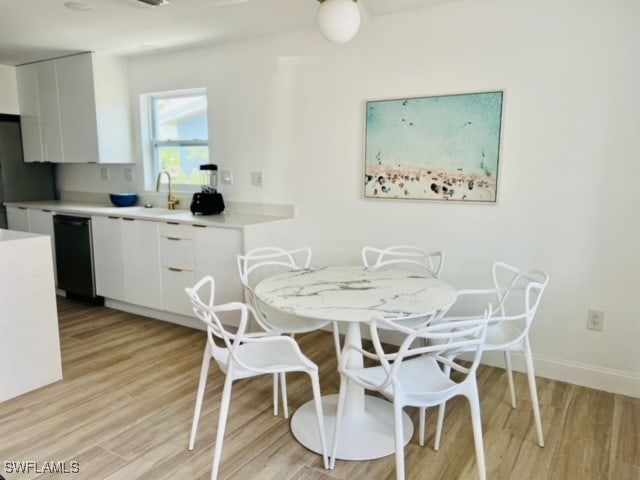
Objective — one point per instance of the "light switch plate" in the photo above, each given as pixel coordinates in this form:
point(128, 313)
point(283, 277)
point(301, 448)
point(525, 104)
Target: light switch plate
point(256, 178)
point(128, 174)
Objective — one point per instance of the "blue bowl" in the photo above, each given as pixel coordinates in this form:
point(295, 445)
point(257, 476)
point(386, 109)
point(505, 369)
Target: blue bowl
point(123, 199)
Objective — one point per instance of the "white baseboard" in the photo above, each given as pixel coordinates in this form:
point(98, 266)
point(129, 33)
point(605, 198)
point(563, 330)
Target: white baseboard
point(592, 376)
point(153, 313)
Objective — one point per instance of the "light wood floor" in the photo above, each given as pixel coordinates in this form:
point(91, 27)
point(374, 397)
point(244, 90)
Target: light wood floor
point(123, 411)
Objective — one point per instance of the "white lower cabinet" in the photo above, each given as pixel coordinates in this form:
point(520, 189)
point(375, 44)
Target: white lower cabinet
point(108, 257)
point(141, 262)
point(34, 221)
point(176, 261)
point(215, 254)
point(18, 219)
point(188, 253)
point(41, 221)
point(150, 263)
point(127, 267)
point(174, 298)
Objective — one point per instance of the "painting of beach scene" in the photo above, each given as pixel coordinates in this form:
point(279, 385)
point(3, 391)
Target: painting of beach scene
point(434, 148)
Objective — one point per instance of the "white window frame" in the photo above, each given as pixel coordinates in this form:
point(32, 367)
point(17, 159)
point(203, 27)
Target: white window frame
point(151, 144)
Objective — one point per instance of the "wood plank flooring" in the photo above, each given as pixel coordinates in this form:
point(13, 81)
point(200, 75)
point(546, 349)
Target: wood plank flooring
point(124, 409)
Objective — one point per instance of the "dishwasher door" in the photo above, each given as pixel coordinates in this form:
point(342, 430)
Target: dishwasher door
point(74, 255)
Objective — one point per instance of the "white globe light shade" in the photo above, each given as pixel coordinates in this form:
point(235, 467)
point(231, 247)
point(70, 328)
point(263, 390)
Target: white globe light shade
point(338, 20)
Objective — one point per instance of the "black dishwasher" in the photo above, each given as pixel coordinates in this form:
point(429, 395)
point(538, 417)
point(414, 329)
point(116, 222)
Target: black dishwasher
point(74, 256)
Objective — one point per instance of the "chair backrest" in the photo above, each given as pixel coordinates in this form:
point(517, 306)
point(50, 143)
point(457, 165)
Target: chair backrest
point(263, 262)
point(518, 292)
point(209, 314)
point(443, 342)
point(260, 263)
point(405, 256)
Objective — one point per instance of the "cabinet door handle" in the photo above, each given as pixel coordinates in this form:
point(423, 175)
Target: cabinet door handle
point(173, 223)
point(175, 239)
point(129, 219)
point(199, 226)
point(172, 269)
point(45, 210)
point(22, 208)
point(113, 218)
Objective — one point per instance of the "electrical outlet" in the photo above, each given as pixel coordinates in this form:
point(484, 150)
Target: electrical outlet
point(104, 173)
point(256, 178)
point(226, 177)
point(128, 174)
point(595, 320)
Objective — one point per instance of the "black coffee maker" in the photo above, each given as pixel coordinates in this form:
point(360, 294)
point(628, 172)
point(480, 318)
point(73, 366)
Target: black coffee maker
point(208, 201)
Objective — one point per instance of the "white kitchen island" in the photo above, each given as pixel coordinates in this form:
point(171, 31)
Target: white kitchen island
point(29, 337)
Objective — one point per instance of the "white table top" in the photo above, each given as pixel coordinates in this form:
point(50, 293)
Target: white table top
point(354, 294)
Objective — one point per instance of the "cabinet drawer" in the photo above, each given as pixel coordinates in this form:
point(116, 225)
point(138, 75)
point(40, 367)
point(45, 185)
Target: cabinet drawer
point(176, 252)
point(172, 229)
point(174, 298)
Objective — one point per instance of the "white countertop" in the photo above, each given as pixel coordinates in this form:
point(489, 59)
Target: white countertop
point(12, 235)
point(224, 220)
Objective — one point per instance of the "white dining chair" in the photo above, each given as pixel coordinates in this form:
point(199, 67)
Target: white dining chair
point(409, 258)
point(517, 295)
point(260, 263)
point(418, 376)
point(404, 256)
point(243, 355)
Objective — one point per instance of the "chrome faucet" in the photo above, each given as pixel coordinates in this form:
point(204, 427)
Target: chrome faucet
point(172, 201)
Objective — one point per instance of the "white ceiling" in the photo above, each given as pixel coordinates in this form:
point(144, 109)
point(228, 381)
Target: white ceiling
point(32, 30)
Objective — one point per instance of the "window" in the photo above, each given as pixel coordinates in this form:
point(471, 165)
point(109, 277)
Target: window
point(179, 135)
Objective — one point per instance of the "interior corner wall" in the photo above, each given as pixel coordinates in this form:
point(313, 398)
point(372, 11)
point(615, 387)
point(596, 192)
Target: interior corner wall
point(292, 105)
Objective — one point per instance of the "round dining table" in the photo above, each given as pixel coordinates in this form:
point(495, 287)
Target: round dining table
point(353, 295)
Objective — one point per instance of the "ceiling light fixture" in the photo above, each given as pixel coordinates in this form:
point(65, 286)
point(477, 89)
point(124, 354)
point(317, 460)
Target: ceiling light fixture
point(338, 20)
point(79, 6)
point(155, 3)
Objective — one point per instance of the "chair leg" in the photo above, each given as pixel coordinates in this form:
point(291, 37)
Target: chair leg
point(512, 390)
point(336, 339)
point(439, 424)
point(275, 394)
point(315, 385)
point(476, 423)
point(222, 423)
point(423, 421)
point(533, 390)
point(441, 412)
point(399, 441)
point(204, 373)
point(336, 429)
point(283, 388)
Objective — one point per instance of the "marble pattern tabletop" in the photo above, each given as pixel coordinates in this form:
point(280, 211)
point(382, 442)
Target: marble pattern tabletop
point(354, 293)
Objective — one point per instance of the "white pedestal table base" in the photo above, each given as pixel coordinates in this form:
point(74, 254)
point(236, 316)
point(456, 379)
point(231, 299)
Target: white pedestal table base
point(366, 436)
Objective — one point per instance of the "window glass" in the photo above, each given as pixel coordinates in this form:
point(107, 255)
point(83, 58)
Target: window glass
point(179, 135)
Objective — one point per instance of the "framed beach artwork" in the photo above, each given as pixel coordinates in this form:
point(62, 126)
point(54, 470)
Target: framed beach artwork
point(444, 147)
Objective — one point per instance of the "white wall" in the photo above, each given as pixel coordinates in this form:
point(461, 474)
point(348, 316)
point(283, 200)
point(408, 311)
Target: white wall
point(292, 105)
point(8, 90)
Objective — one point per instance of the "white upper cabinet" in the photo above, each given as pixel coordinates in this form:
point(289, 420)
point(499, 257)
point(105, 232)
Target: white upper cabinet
point(29, 99)
point(49, 112)
point(75, 109)
point(76, 94)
